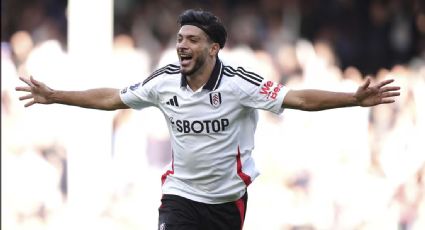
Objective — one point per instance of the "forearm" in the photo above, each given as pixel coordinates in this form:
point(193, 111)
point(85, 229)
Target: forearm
point(101, 98)
point(316, 100)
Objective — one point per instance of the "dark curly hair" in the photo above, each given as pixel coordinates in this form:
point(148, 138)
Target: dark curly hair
point(207, 22)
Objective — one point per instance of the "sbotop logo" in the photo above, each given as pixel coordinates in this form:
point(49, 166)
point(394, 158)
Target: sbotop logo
point(199, 126)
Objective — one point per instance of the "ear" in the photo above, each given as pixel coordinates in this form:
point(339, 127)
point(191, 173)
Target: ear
point(215, 47)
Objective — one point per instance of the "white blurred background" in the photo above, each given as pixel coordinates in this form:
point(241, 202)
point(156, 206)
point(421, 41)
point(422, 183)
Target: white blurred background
point(346, 169)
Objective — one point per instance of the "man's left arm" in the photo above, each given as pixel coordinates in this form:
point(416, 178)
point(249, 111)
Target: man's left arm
point(365, 96)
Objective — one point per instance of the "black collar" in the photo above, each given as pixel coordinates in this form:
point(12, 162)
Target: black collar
point(213, 81)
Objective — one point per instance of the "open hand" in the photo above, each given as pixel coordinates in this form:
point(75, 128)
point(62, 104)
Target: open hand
point(367, 95)
point(38, 92)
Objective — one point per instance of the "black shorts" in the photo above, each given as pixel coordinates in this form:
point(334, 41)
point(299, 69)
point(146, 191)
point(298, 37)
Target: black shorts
point(179, 213)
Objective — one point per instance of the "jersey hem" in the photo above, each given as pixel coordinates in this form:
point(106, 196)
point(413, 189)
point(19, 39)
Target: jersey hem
point(201, 200)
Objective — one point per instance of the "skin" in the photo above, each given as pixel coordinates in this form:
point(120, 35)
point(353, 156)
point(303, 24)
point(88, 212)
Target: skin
point(365, 96)
point(193, 42)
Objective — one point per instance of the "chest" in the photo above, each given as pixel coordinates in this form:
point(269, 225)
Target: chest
point(205, 112)
point(198, 105)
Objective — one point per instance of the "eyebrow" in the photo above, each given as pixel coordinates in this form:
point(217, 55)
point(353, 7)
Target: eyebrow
point(188, 36)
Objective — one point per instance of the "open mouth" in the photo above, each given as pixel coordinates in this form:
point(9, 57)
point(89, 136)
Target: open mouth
point(185, 59)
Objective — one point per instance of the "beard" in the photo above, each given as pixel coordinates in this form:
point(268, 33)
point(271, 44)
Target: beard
point(199, 62)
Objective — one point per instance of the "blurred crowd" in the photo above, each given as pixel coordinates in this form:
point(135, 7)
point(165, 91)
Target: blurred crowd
point(343, 169)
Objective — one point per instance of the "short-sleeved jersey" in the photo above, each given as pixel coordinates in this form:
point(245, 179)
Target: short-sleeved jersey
point(211, 129)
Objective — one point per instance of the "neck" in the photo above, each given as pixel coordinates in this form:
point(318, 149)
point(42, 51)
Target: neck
point(201, 77)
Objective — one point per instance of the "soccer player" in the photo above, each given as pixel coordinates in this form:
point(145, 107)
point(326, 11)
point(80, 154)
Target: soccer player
point(211, 111)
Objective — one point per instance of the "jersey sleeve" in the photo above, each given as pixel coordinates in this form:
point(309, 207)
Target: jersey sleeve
point(139, 95)
point(265, 95)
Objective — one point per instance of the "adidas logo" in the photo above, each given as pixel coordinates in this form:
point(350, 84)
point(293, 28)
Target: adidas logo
point(173, 101)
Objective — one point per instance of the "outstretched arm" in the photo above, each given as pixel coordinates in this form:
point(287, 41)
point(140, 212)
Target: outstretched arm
point(365, 96)
point(101, 98)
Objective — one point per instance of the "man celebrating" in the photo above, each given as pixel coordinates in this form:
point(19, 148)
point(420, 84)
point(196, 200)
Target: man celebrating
point(211, 110)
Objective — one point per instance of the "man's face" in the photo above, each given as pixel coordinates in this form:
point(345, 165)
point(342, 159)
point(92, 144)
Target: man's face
point(192, 49)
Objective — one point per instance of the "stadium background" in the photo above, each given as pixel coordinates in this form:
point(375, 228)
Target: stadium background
point(354, 168)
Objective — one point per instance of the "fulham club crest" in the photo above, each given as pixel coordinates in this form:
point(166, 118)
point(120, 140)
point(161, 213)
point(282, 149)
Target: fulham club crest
point(215, 99)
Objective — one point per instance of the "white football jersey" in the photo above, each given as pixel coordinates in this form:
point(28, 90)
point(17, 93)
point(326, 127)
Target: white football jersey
point(211, 130)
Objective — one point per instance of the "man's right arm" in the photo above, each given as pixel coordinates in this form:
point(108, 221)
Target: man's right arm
point(101, 98)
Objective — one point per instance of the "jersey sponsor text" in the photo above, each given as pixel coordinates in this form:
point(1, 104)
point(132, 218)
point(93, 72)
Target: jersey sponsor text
point(271, 93)
point(205, 126)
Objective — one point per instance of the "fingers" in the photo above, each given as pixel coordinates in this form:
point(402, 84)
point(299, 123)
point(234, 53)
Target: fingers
point(28, 96)
point(366, 83)
point(392, 88)
point(385, 82)
point(23, 88)
point(30, 82)
point(387, 101)
point(390, 94)
point(34, 88)
point(33, 81)
point(29, 103)
point(27, 81)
